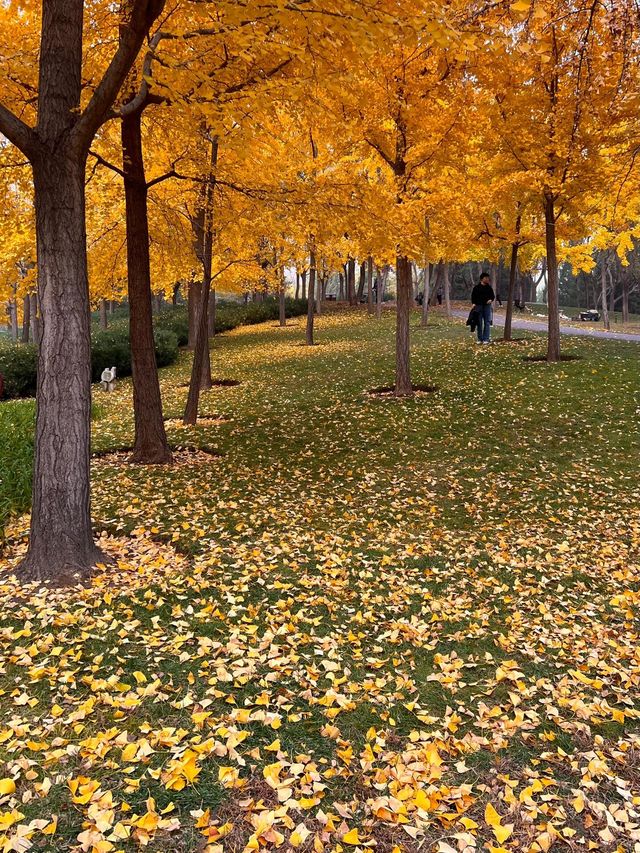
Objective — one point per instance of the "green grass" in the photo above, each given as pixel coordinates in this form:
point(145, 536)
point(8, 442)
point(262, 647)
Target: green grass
point(16, 455)
point(429, 548)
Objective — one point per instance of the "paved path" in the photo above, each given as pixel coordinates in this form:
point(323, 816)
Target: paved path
point(539, 326)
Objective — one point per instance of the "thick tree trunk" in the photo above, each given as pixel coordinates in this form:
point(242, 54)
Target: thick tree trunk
point(150, 444)
point(310, 300)
point(403, 309)
point(351, 281)
point(553, 342)
point(35, 319)
point(61, 546)
point(26, 319)
point(370, 307)
point(104, 321)
point(603, 286)
point(424, 317)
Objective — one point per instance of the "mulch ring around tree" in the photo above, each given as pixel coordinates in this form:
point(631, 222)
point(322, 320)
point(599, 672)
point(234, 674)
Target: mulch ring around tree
point(543, 358)
point(181, 456)
point(389, 391)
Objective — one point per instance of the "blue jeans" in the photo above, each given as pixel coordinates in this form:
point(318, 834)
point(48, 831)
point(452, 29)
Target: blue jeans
point(485, 314)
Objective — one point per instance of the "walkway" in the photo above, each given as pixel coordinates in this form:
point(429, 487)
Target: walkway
point(539, 326)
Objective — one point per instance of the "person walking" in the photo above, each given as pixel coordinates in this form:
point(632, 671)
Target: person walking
point(482, 297)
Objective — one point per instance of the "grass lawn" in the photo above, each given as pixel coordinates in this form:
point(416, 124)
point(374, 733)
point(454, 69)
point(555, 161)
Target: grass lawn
point(367, 622)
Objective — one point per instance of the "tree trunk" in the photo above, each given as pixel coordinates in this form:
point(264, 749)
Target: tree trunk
point(193, 301)
point(35, 319)
point(13, 318)
point(61, 546)
point(303, 278)
point(447, 288)
point(403, 309)
point(26, 319)
point(351, 281)
point(297, 285)
point(513, 274)
point(381, 279)
point(341, 287)
point(625, 298)
point(212, 315)
point(553, 342)
point(201, 367)
point(370, 308)
point(361, 283)
point(310, 299)
point(150, 444)
point(104, 322)
point(424, 318)
point(318, 292)
point(174, 295)
point(603, 286)
point(282, 308)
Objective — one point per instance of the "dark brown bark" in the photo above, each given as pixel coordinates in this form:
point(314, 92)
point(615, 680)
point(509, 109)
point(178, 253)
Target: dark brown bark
point(513, 273)
point(341, 287)
point(424, 319)
point(201, 352)
point(193, 300)
point(282, 308)
point(303, 279)
point(403, 309)
point(603, 286)
point(625, 298)
point(361, 283)
point(26, 319)
point(150, 443)
point(310, 300)
point(174, 295)
point(104, 322)
point(446, 288)
point(297, 285)
point(381, 279)
point(351, 282)
point(553, 341)
point(370, 307)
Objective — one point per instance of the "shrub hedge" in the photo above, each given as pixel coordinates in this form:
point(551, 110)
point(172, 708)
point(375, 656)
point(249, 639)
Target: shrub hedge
point(110, 347)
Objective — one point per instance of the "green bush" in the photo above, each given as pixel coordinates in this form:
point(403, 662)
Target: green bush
point(166, 347)
point(18, 367)
point(16, 458)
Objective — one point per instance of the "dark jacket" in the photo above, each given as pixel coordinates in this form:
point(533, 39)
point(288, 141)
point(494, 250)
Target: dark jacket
point(482, 293)
point(472, 319)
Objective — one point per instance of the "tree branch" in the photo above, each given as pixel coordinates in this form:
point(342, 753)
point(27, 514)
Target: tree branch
point(107, 164)
point(132, 34)
point(17, 132)
point(381, 152)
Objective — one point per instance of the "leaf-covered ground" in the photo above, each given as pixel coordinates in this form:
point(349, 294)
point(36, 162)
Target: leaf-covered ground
point(365, 623)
